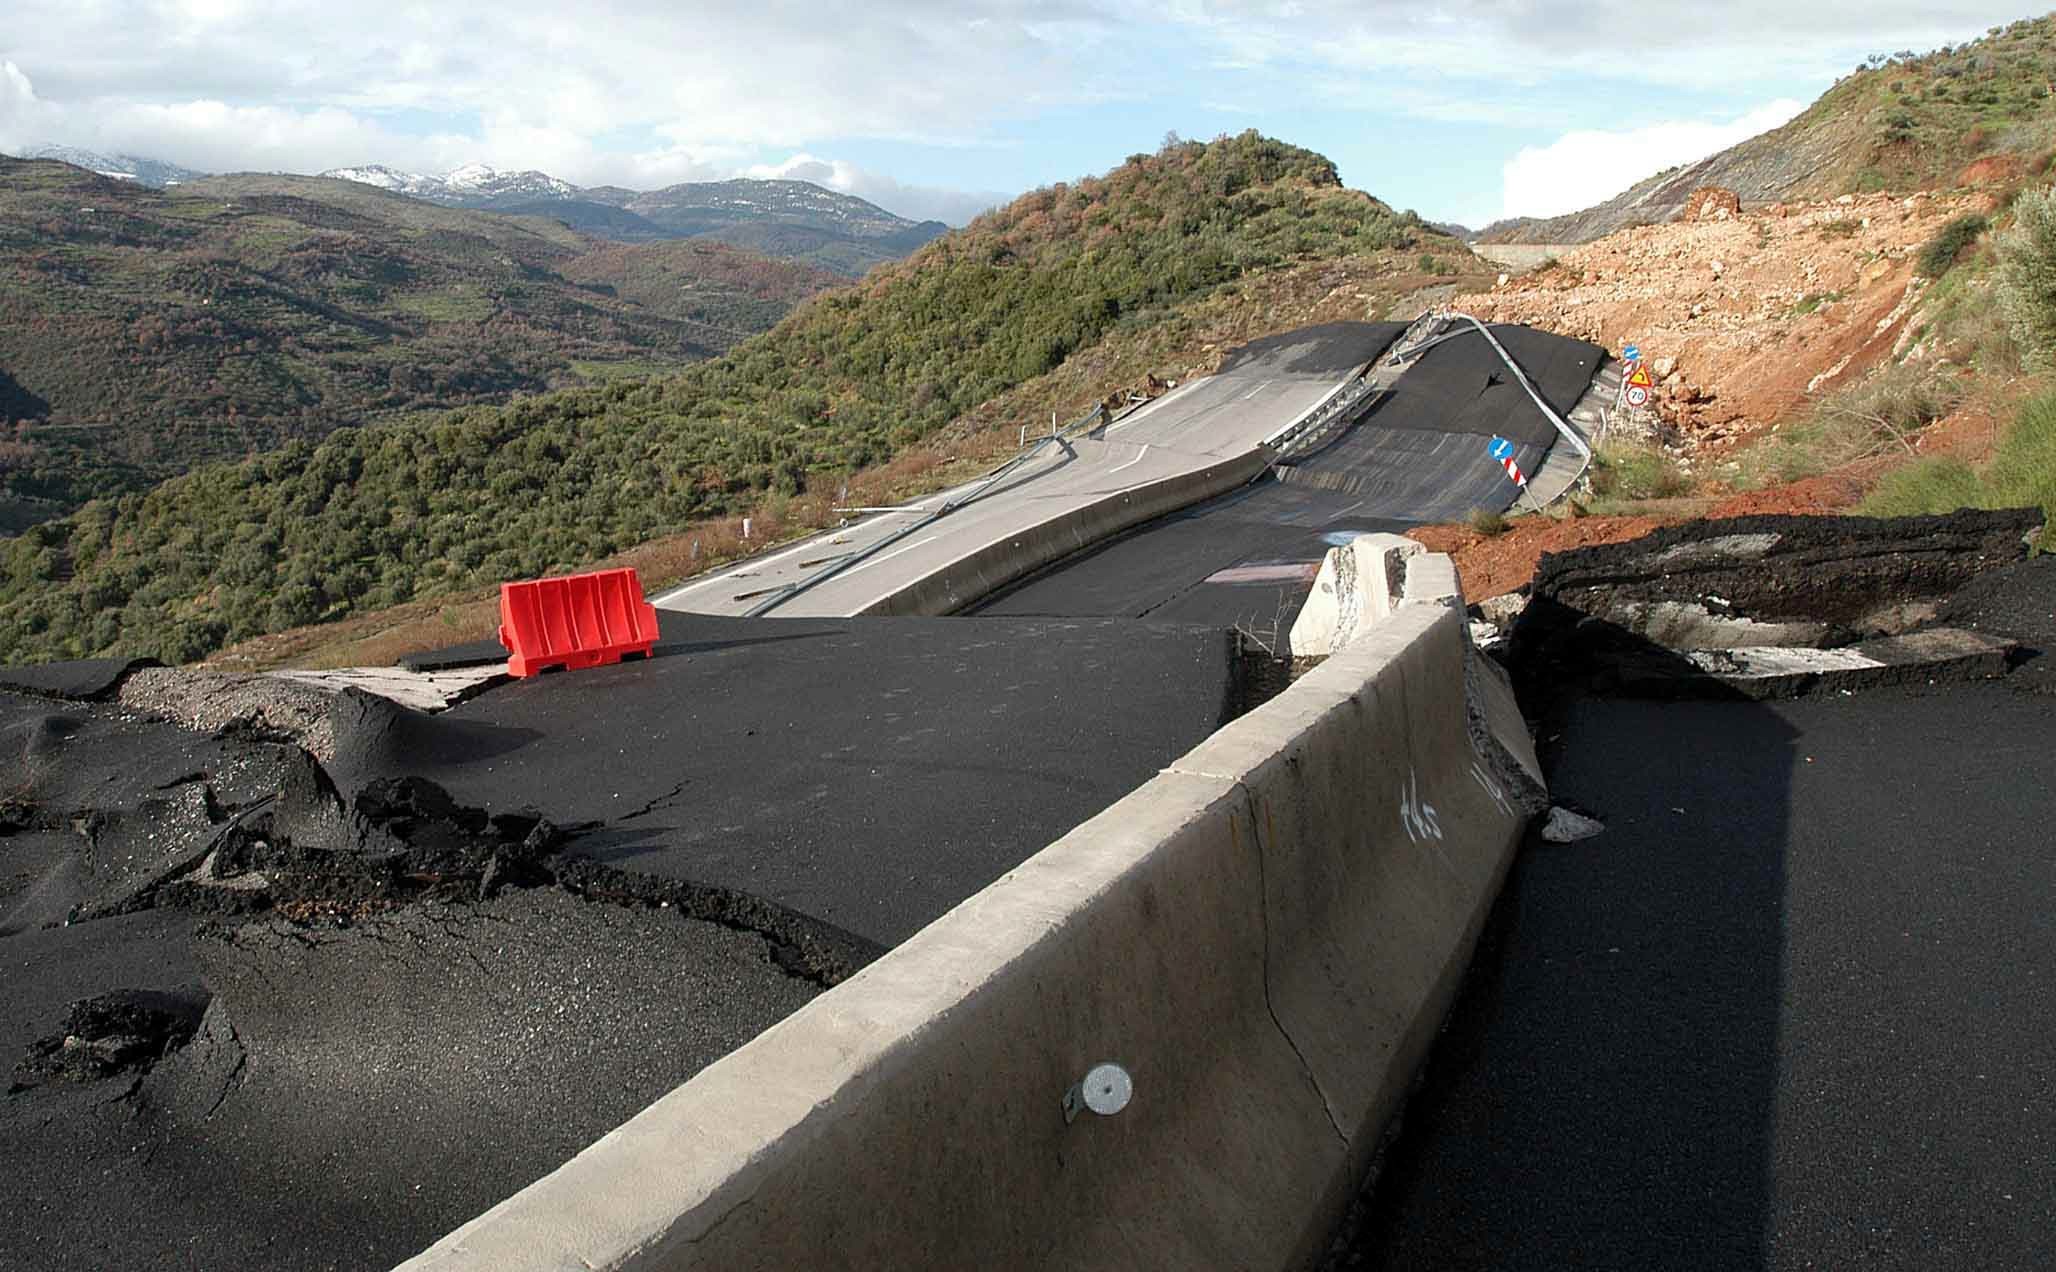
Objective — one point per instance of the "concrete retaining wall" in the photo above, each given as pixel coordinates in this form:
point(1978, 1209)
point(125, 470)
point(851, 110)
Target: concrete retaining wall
point(1266, 935)
point(983, 571)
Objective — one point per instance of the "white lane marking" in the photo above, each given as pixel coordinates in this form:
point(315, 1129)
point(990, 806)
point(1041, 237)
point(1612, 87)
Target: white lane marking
point(1140, 455)
point(880, 560)
point(1258, 389)
point(751, 566)
point(1148, 408)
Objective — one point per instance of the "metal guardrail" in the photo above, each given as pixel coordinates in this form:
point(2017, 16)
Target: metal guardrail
point(1429, 330)
point(1340, 401)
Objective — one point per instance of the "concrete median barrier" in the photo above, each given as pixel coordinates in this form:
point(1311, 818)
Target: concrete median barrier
point(984, 570)
point(1266, 936)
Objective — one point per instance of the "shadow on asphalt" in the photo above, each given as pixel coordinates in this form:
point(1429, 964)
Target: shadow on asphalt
point(675, 648)
point(1603, 1095)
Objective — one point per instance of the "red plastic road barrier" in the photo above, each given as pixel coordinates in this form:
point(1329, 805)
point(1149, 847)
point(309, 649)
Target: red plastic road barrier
point(575, 621)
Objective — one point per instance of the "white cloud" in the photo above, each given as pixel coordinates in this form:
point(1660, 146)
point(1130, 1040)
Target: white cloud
point(1582, 168)
point(21, 115)
point(1507, 47)
point(635, 92)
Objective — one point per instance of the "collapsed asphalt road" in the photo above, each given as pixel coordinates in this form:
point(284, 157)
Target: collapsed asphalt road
point(1791, 1008)
point(1215, 419)
point(267, 1013)
point(1247, 559)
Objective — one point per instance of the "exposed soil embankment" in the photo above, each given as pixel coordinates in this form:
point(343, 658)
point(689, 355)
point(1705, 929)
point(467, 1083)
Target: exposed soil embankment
point(1742, 316)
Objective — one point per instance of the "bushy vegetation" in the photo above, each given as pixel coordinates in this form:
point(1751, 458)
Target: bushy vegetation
point(2027, 277)
point(2021, 475)
point(1948, 243)
point(1877, 416)
point(1931, 113)
point(370, 517)
point(1627, 473)
point(144, 331)
point(1487, 522)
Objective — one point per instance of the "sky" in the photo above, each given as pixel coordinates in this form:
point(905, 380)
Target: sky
point(1464, 110)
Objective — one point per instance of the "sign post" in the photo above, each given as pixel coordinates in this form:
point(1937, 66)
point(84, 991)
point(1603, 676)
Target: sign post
point(1638, 386)
point(1501, 452)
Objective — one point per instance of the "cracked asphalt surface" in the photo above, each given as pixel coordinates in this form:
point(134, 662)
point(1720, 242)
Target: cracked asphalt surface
point(744, 818)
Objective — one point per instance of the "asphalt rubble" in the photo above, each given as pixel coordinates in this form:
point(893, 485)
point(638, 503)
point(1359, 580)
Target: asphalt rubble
point(255, 1020)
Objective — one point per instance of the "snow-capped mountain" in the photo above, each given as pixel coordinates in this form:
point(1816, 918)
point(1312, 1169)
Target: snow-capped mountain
point(142, 171)
point(794, 219)
point(472, 186)
point(797, 220)
point(697, 205)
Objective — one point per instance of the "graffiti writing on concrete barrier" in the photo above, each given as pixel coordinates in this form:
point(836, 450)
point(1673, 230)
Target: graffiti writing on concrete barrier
point(1499, 799)
point(1415, 813)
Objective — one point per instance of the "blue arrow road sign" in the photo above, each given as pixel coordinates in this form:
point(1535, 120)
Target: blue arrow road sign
point(1633, 353)
point(1500, 449)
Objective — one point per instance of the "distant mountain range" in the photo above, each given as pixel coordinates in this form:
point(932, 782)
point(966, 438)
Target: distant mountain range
point(143, 331)
point(472, 186)
point(149, 172)
point(797, 220)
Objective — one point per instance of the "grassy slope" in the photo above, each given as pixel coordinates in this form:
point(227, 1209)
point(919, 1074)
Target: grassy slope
point(143, 331)
point(369, 519)
point(1911, 123)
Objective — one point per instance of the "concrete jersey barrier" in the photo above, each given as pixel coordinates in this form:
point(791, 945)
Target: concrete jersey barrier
point(1266, 936)
point(984, 570)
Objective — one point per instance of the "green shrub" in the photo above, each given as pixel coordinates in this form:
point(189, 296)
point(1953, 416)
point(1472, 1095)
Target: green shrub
point(1940, 484)
point(1949, 242)
point(1487, 522)
point(1629, 472)
point(1875, 417)
point(2021, 475)
point(2027, 277)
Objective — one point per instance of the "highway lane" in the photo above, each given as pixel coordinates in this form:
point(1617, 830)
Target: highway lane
point(1259, 389)
point(1246, 559)
point(869, 773)
point(1790, 1010)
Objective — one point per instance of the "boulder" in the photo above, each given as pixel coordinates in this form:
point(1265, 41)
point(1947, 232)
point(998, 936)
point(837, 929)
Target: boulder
point(1712, 203)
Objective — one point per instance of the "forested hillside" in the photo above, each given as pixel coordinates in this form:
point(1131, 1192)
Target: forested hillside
point(371, 517)
point(143, 331)
point(1902, 121)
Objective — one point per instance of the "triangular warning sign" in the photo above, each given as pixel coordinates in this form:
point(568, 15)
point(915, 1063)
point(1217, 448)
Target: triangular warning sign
point(1641, 378)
